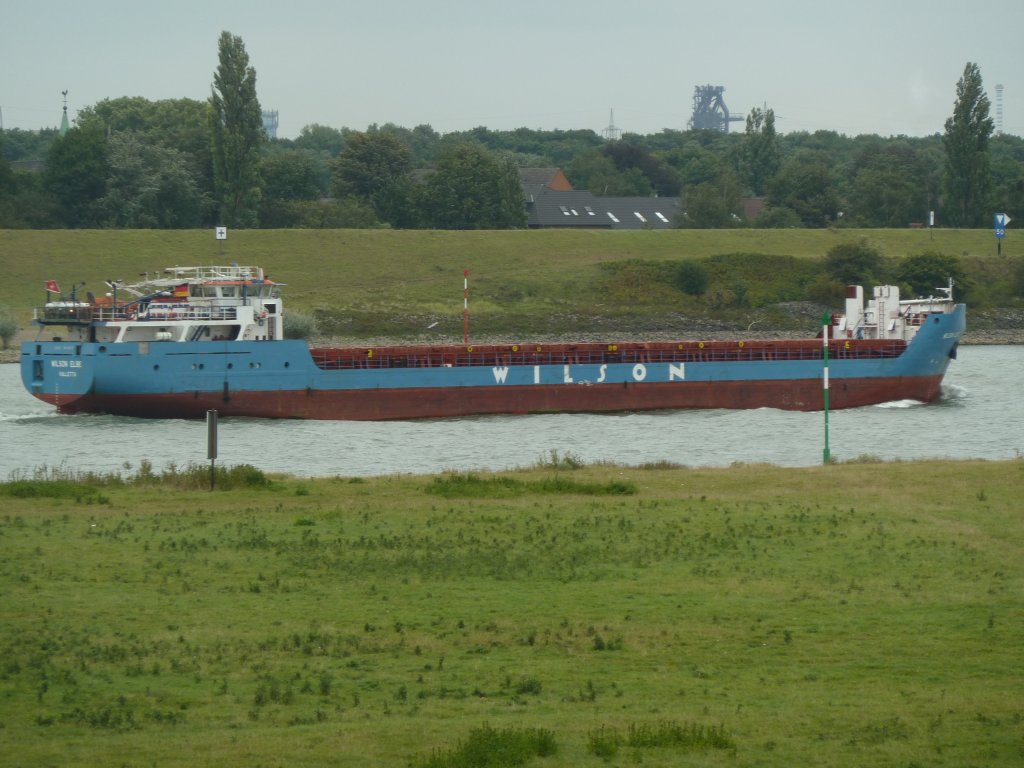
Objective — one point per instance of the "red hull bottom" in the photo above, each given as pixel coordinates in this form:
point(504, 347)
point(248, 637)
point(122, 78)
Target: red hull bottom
point(382, 405)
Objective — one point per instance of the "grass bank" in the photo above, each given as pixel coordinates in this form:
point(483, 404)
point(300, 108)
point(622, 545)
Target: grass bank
point(859, 614)
point(366, 283)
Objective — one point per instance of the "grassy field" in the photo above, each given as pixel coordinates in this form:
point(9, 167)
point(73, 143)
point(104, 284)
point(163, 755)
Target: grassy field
point(399, 282)
point(859, 614)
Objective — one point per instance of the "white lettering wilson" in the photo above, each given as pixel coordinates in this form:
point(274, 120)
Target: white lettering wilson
point(675, 372)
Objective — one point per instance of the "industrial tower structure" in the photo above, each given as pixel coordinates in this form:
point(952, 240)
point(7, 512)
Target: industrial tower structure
point(709, 110)
point(612, 132)
point(999, 110)
point(270, 123)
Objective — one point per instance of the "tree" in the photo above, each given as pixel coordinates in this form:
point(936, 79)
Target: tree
point(474, 189)
point(374, 167)
point(179, 125)
point(150, 185)
point(291, 174)
point(712, 204)
point(1008, 175)
point(76, 175)
point(321, 139)
point(696, 164)
point(804, 184)
point(236, 125)
point(8, 191)
point(891, 186)
point(925, 272)
point(291, 177)
point(760, 149)
point(27, 145)
point(629, 155)
point(967, 152)
point(596, 172)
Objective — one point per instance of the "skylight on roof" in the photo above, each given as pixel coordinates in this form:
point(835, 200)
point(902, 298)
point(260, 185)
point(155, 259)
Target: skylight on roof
point(659, 215)
point(640, 216)
point(612, 216)
point(589, 210)
point(564, 210)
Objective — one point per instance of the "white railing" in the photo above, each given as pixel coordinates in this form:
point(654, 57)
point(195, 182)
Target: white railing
point(163, 313)
point(233, 272)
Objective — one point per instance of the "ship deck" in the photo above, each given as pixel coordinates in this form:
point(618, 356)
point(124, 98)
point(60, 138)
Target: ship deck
point(421, 356)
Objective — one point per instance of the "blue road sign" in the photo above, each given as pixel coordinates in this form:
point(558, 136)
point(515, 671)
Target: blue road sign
point(1001, 220)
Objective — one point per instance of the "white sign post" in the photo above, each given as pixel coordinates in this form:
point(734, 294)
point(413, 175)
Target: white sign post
point(221, 233)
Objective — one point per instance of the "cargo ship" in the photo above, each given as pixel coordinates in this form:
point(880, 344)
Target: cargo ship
point(194, 339)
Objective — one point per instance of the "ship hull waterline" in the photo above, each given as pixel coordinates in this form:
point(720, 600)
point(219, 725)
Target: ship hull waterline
point(445, 402)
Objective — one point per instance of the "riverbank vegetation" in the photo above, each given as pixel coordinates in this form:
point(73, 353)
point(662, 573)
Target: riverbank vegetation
point(364, 284)
point(561, 615)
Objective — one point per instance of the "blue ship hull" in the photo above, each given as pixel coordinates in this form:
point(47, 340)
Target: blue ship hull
point(284, 379)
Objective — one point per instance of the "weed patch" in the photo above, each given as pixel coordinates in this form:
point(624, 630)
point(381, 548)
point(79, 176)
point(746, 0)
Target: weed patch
point(475, 486)
point(488, 747)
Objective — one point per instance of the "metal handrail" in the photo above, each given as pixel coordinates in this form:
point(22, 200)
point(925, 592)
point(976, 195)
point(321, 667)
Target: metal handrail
point(377, 359)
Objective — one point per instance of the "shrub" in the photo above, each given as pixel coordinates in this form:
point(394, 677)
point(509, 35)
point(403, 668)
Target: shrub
point(604, 742)
point(858, 263)
point(778, 218)
point(8, 325)
point(671, 734)
point(298, 325)
point(826, 290)
point(692, 278)
point(486, 746)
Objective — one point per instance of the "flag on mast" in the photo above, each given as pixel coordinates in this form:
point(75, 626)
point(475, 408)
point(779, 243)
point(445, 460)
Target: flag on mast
point(52, 287)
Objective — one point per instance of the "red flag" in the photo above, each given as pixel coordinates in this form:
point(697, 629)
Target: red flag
point(52, 287)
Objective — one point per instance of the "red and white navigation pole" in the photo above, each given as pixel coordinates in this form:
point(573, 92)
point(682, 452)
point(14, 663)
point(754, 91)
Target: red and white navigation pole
point(826, 321)
point(465, 306)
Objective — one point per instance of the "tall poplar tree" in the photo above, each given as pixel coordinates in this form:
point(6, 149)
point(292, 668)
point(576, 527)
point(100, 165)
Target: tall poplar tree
point(237, 133)
point(761, 156)
point(968, 181)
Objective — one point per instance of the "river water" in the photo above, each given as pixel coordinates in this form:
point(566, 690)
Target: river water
point(980, 415)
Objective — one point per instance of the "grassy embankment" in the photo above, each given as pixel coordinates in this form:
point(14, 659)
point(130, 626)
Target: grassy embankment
point(857, 614)
point(397, 283)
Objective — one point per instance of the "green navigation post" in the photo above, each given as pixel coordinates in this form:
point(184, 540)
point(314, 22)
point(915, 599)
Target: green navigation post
point(826, 321)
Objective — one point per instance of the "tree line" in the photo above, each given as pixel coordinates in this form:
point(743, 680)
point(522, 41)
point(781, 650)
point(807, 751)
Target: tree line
point(183, 163)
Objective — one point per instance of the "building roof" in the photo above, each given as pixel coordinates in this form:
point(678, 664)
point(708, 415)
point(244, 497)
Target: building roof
point(641, 212)
point(552, 208)
point(537, 180)
point(580, 208)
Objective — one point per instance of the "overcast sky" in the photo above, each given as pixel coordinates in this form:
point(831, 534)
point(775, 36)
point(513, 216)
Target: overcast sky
point(887, 67)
